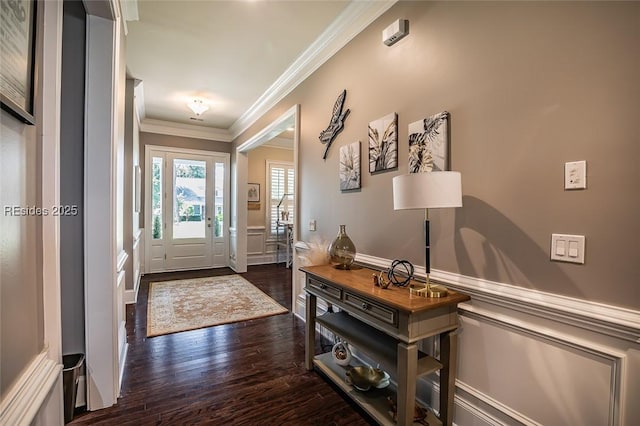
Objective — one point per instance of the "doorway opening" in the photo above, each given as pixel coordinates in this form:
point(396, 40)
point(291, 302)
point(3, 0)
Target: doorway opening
point(244, 234)
point(187, 207)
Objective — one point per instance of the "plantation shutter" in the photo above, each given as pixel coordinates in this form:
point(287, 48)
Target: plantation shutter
point(281, 178)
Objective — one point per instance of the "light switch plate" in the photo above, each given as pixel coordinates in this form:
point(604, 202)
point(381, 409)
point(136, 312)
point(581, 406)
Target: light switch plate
point(312, 225)
point(567, 248)
point(575, 175)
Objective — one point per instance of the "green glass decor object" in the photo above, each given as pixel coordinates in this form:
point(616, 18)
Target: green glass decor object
point(342, 250)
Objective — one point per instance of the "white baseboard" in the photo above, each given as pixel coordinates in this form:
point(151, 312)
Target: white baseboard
point(260, 259)
point(123, 359)
point(131, 296)
point(81, 399)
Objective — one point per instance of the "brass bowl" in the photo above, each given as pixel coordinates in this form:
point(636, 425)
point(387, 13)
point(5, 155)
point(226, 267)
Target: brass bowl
point(364, 377)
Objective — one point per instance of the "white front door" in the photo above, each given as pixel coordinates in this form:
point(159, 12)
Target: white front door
point(187, 213)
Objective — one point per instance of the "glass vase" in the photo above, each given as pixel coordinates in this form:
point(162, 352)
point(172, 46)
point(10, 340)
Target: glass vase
point(342, 250)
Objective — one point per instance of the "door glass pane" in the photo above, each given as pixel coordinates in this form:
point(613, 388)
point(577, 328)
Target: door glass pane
point(156, 198)
point(189, 198)
point(219, 200)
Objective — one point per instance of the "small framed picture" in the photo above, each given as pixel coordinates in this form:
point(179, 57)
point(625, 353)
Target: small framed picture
point(350, 167)
point(253, 193)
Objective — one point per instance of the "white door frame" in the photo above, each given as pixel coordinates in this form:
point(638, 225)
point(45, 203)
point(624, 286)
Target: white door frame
point(148, 226)
point(239, 244)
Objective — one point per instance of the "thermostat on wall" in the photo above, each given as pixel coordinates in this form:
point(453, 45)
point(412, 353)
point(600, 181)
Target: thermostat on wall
point(395, 32)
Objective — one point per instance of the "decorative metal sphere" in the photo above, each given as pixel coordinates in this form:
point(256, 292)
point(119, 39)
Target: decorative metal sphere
point(400, 273)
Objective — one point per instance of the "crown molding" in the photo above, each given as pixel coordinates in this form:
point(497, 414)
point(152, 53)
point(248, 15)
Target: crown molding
point(150, 125)
point(355, 18)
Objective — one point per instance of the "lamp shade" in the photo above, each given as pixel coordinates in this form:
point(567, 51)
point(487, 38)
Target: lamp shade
point(430, 190)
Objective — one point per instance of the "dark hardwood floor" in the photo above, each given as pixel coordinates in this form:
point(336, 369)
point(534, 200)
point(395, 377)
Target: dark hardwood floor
point(248, 373)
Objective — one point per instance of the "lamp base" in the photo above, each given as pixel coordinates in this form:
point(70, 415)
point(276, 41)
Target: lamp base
point(430, 291)
point(437, 291)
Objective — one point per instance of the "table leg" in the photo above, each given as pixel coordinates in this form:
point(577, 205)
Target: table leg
point(310, 331)
point(448, 357)
point(407, 370)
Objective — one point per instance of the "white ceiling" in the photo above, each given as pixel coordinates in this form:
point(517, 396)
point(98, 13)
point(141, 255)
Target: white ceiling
point(241, 56)
point(227, 52)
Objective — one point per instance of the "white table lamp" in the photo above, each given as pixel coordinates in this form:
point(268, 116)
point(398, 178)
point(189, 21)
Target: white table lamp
point(431, 190)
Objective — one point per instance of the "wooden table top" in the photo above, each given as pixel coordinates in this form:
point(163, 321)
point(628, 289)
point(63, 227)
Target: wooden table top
point(359, 280)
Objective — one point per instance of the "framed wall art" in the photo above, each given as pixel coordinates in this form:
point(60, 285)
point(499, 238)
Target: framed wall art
point(383, 143)
point(17, 49)
point(253, 193)
point(350, 167)
point(429, 144)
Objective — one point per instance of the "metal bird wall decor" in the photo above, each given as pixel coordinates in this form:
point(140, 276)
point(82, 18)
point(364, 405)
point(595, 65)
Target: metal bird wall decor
point(336, 124)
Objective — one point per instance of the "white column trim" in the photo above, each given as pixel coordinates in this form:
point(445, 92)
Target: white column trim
point(50, 82)
point(101, 328)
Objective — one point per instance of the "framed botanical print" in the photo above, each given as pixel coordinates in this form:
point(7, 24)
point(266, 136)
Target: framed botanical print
point(429, 144)
point(383, 143)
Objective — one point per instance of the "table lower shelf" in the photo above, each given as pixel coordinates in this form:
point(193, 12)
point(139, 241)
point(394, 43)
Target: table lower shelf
point(374, 342)
point(375, 402)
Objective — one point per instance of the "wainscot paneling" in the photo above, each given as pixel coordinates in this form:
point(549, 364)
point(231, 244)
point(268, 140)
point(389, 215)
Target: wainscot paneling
point(36, 396)
point(121, 315)
point(130, 296)
point(260, 250)
point(533, 358)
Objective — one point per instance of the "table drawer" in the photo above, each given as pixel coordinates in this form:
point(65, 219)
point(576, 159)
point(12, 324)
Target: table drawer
point(325, 289)
point(383, 313)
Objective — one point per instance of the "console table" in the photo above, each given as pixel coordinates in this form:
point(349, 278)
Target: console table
point(386, 325)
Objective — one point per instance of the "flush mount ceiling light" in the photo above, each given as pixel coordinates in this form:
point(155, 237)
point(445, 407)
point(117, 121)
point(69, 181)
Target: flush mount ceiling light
point(198, 106)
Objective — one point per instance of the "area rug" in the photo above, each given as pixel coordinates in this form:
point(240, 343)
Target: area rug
point(204, 302)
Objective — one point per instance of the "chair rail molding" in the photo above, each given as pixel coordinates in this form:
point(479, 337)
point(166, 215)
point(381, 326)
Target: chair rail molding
point(27, 397)
point(614, 321)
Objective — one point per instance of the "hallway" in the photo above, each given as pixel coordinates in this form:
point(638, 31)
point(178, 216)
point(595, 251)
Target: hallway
point(246, 373)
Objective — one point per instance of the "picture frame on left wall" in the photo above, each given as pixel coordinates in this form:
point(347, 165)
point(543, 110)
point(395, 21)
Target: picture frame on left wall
point(17, 46)
point(253, 192)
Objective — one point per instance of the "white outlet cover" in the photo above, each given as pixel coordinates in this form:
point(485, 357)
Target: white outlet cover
point(575, 175)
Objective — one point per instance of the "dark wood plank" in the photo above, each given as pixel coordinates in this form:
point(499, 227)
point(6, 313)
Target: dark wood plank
point(245, 373)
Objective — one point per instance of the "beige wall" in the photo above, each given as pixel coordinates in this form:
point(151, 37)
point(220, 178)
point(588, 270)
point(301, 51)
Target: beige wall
point(529, 86)
point(257, 174)
point(177, 142)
